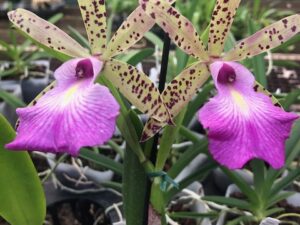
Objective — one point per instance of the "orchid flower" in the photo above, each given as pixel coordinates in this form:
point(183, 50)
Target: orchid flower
point(74, 112)
point(242, 121)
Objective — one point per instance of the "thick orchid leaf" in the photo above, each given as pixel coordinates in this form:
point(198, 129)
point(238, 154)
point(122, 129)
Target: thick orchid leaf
point(177, 95)
point(131, 31)
point(94, 17)
point(221, 21)
point(21, 193)
point(259, 88)
point(46, 33)
point(179, 28)
point(137, 88)
point(265, 39)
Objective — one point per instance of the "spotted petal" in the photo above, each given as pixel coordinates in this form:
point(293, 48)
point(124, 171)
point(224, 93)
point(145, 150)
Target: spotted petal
point(74, 114)
point(179, 28)
point(243, 124)
point(221, 21)
point(94, 17)
point(137, 88)
point(177, 95)
point(265, 39)
point(46, 33)
point(131, 31)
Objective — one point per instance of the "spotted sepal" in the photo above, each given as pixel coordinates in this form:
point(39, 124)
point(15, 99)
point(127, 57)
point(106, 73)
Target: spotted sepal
point(178, 94)
point(46, 33)
point(94, 17)
point(35, 100)
point(259, 88)
point(137, 88)
point(220, 25)
point(130, 32)
point(265, 39)
point(179, 28)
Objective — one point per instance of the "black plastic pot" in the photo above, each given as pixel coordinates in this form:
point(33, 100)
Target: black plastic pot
point(36, 81)
point(45, 11)
point(85, 208)
point(33, 85)
point(12, 87)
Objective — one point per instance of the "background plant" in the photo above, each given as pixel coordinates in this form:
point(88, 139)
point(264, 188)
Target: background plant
point(260, 199)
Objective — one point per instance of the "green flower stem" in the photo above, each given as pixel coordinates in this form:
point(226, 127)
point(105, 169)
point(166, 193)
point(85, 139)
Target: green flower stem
point(153, 153)
point(116, 147)
point(157, 197)
point(167, 140)
point(127, 129)
point(134, 195)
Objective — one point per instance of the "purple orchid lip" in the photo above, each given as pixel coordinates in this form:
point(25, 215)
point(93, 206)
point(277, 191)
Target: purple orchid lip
point(74, 114)
point(243, 124)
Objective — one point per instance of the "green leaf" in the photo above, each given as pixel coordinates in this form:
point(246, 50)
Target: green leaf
point(134, 193)
point(101, 160)
point(242, 184)
point(193, 215)
point(285, 181)
point(258, 167)
point(293, 144)
point(79, 37)
point(241, 219)
point(8, 72)
point(278, 197)
point(56, 18)
point(270, 212)
point(154, 39)
point(11, 99)
point(4, 45)
point(200, 174)
point(290, 99)
point(187, 157)
point(166, 142)
point(114, 185)
point(231, 202)
point(134, 57)
point(21, 193)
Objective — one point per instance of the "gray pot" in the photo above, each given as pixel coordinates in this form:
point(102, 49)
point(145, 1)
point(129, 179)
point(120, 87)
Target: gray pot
point(34, 83)
point(14, 88)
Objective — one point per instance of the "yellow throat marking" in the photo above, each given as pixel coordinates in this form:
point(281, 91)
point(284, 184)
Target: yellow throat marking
point(69, 93)
point(239, 101)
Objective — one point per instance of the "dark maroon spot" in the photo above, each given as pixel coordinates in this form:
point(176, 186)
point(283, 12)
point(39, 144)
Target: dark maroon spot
point(226, 74)
point(84, 69)
point(192, 71)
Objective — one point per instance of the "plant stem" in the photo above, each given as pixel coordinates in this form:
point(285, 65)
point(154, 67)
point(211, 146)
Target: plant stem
point(161, 87)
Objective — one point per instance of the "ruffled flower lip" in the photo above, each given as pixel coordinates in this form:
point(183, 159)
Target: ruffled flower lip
point(242, 123)
point(76, 113)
